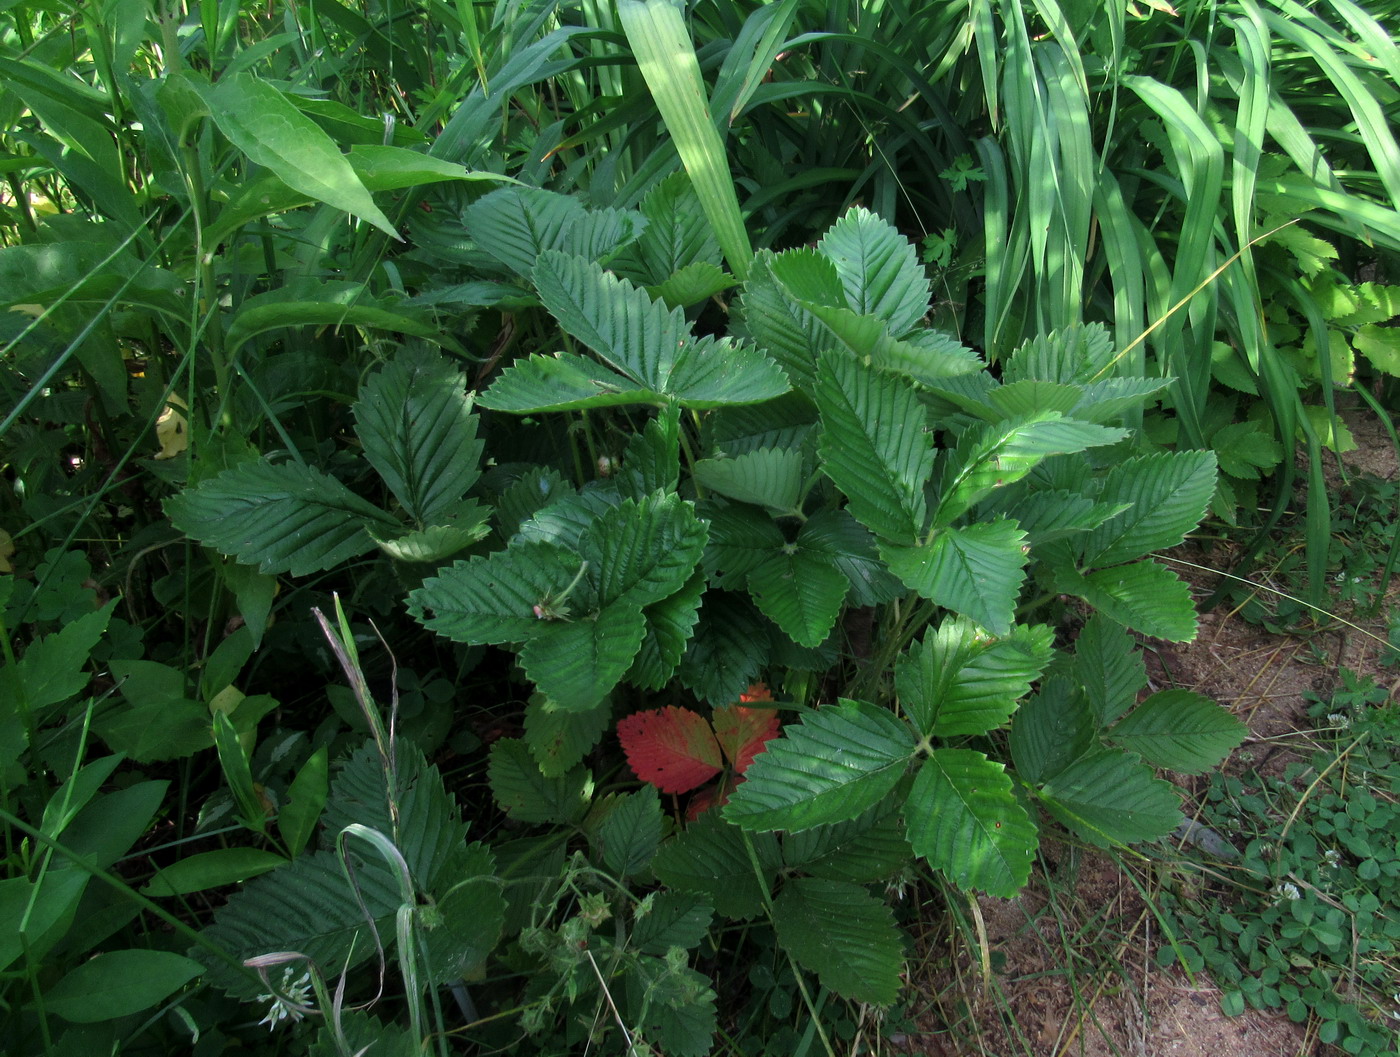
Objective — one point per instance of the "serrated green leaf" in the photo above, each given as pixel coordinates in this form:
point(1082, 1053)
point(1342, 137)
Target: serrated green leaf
point(1056, 514)
point(1179, 730)
point(1107, 399)
point(670, 624)
point(848, 545)
point(997, 455)
point(652, 460)
point(1168, 491)
point(492, 599)
point(677, 234)
point(426, 821)
point(630, 332)
point(770, 477)
point(534, 491)
point(577, 663)
point(562, 382)
point(1070, 355)
point(312, 909)
point(1108, 797)
point(741, 539)
point(437, 543)
point(282, 517)
point(975, 570)
point(1244, 449)
point(671, 920)
point(558, 738)
point(53, 669)
point(728, 650)
point(641, 552)
point(630, 834)
point(791, 334)
point(515, 224)
point(673, 1005)
point(801, 592)
point(879, 270)
point(264, 125)
point(471, 915)
point(1380, 345)
point(930, 358)
point(1108, 664)
point(1145, 596)
point(414, 418)
point(692, 284)
point(1051, 730)
point(960, 681)
point(830, 766)
point(710, 859)
point(843, 934)
point(964, 819)
point(875, 447)
point(565, 521)
point(714, 372)
point(526, 795)
point(864, 849)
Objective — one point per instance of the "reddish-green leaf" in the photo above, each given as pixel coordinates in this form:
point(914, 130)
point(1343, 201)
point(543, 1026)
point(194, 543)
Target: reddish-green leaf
point(743, 733)
point(672, 748)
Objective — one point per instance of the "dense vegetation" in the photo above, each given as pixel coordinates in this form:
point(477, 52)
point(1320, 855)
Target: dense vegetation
point(527, 526)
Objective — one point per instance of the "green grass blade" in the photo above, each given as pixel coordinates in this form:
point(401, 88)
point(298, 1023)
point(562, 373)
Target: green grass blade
point(664, 53)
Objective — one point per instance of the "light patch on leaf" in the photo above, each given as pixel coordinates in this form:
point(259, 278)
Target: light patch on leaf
point(172, 429)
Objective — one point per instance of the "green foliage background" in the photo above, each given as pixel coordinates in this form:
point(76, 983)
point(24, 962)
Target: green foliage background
point(395, 397)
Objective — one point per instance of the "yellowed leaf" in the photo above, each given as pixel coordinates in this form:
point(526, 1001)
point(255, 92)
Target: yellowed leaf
point(172, 429)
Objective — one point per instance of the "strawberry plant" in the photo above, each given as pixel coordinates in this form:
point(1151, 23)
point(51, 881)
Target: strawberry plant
point(830, 496)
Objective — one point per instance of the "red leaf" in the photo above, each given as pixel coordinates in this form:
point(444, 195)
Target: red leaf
point(756, 692)
point(672, 748)
point(744, 732)
point(716, 795)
